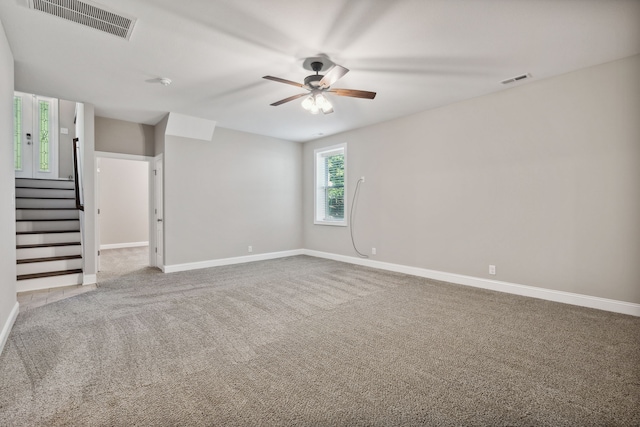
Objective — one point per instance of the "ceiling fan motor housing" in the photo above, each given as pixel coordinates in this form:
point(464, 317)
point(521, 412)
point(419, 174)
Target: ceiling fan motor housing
point(313, 81)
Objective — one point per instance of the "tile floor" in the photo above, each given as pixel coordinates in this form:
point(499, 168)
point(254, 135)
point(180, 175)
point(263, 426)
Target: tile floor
point(115, 263)
point(33, 299)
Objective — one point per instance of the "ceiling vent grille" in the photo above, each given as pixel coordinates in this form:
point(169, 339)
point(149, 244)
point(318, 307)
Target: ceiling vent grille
point(516, 79)
point(88, 14)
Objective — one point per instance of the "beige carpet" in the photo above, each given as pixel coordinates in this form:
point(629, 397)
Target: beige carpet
point(306, 341)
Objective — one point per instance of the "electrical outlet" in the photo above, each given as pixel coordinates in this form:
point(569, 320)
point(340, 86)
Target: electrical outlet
point(373, 251)
point(492, 270)
point(250, 249)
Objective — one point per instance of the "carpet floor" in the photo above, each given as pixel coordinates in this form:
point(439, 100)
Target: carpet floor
point(313, 342)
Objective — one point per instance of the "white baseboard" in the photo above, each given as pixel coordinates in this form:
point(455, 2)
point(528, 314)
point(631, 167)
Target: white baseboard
point(89, 279)
point(123, 245)
point(494, 285)
point(228, 261)
point(6, 330)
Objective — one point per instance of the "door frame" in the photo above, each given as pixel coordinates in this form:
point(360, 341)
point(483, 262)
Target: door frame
point(151, 201)
point(32, 127)
point(157, 213)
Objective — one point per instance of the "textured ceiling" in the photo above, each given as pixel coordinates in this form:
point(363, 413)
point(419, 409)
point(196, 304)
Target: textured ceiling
point(416, 54)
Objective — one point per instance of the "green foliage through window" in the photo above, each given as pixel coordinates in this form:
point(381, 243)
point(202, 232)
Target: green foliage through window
point(334, 186)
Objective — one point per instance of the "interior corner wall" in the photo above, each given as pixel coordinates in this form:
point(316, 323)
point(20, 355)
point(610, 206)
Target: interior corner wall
point(224, 195)
point(7, 188)
point(159, 130)
point(119, 136)
point(541, 180)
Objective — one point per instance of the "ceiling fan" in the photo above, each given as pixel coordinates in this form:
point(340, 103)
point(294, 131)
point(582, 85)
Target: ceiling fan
point(318, 84)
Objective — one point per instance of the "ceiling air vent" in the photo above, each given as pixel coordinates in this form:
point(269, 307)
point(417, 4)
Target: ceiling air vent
point(88, 14)
point(516, 79)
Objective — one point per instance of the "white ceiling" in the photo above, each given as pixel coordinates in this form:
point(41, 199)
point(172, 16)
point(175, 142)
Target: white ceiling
point(416, 54)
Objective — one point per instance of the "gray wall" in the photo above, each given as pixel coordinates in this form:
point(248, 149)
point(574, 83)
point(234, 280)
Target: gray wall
point(7, 186)
point(221, 196)
point(66, 116)
point(86, 121)
point(541, 180)
point(119, 136)
point(124, 201)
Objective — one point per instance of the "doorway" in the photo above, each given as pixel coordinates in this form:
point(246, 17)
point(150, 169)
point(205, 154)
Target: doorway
point(123, 213)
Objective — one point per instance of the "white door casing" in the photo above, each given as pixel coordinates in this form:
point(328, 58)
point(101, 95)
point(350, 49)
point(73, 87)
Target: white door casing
point(158, 210)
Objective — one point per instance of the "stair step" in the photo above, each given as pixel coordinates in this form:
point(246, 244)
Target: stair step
point(46, 232)
point(44, 183)
point(45, 259)
point(46, 197)
point(44, 192)
point(36, 238)
point(47, 245)
point(34, 282)
point(56, 203)
point(23, 225)
point(48, 274)
point(27, 214)
point(48, 265)
point(46, 251)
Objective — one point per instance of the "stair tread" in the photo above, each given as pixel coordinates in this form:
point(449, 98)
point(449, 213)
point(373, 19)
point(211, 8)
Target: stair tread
point(44, 179)
point(47, 232)
point(47, 188)
point(46, 259)
point(52, 219)
point(46, 245)
point(45, 198)
point(48, 209)
point(48, 274)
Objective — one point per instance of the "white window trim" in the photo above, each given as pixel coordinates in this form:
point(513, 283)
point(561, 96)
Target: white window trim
point(316, 221)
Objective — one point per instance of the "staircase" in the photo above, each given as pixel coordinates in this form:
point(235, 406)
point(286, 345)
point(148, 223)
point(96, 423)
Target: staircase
point(48, 248)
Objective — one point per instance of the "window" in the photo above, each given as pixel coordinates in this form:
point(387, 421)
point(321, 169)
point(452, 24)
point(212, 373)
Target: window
point(330, 185)
point(43, 118)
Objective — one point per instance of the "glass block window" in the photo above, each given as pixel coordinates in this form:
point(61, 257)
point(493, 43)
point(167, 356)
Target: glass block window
point(43, 117)
point(17, 132)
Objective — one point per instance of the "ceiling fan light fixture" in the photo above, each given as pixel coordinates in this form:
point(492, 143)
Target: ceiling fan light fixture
point(321, 101)
point(307, 103)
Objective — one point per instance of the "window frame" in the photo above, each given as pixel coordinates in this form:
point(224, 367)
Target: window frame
point(317, 154)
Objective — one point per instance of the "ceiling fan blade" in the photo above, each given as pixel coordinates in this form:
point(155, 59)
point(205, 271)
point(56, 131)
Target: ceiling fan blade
point(278, 79)
point(291, 98)
point(353, 93)
point(332, 76)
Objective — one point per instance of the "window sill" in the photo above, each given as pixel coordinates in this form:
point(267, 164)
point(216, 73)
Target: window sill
point(332, 223)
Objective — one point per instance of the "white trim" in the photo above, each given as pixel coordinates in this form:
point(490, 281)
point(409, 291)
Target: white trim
point(229, 261)
point(615, 306)
point(325, 152)
point(123, 245)
point(6, 330)
point(89, 279)
point(123, 156)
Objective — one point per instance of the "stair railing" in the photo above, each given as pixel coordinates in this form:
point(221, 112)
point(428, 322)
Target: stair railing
point(77, 173)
